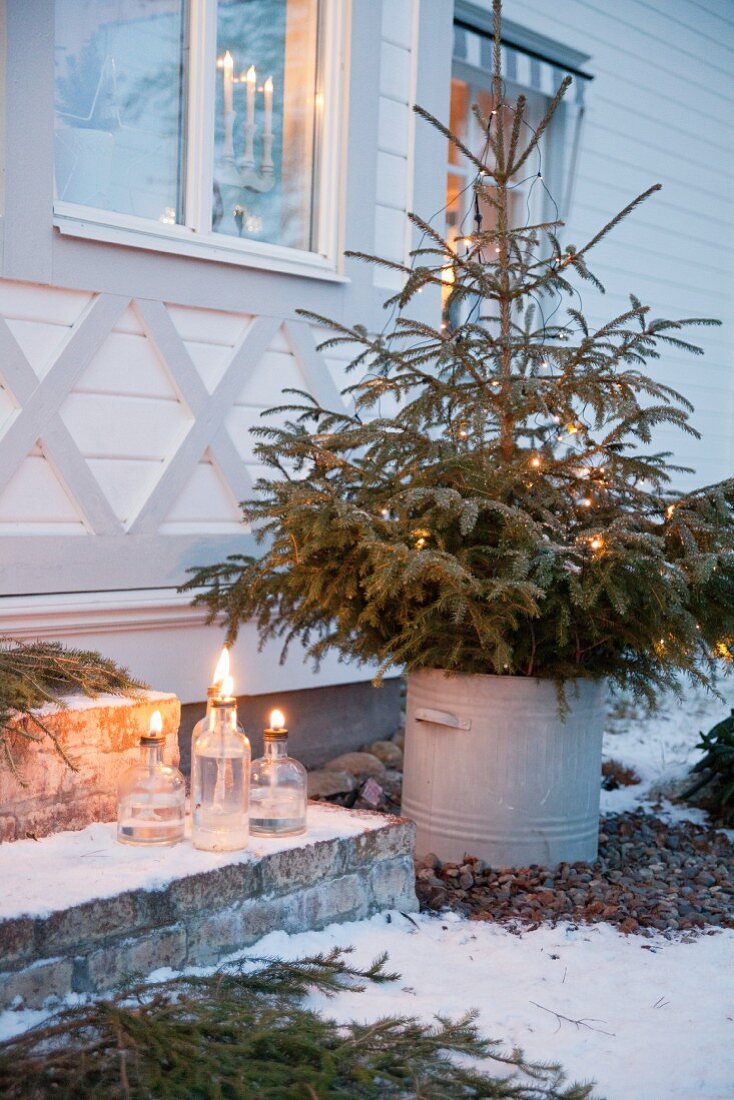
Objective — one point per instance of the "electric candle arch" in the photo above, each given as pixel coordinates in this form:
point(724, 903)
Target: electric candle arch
point(244, 174)
point(229, 797)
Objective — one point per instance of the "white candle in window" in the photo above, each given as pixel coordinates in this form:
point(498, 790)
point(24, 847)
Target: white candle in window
point(251, 87)
point(268, 94)
point(228, 74)
point(251, 80)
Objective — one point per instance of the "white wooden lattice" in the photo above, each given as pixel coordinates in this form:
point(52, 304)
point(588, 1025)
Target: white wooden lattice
point(37, 419)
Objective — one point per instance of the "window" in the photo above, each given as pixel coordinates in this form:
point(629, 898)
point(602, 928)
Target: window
point(532, 199)
point(201, 119)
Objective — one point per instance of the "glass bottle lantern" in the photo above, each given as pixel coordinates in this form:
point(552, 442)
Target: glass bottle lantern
point(220, 778)
point(151, 795)
point(277, 786)
point(214, 691)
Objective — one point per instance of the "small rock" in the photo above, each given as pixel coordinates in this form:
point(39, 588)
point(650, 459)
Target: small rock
point(399, 739)
point(388, 752)
point(324, 783)
point(430, 859)
point(359, 764)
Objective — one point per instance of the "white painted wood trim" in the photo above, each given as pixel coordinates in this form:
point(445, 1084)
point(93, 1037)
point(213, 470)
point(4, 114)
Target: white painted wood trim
point(179, 240)
point(61, 616)
point(200, 97)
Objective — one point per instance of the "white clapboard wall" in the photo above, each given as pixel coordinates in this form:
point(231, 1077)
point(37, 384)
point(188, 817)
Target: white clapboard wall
point(660, 110)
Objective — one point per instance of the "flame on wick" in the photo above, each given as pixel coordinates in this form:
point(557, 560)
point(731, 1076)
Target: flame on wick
point(277, 720)
point(222, 669)
point(227, 687)
point(156, 722)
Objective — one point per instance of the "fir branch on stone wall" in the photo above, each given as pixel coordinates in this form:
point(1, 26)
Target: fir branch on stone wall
point(33, 674)
point(245, 1033)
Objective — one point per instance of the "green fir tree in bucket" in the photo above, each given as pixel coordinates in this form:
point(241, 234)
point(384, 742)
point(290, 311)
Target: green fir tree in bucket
point(511, 517)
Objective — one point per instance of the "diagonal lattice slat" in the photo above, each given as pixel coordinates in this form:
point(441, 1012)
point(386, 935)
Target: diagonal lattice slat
point(37, 418)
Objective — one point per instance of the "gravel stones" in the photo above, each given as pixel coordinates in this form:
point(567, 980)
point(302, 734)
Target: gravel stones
point(650, 876)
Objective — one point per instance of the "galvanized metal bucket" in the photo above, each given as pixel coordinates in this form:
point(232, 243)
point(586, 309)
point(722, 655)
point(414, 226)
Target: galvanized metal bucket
point(493, 770)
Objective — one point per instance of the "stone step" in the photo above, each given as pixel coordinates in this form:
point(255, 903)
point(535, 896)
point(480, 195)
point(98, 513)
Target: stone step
point(81, 913)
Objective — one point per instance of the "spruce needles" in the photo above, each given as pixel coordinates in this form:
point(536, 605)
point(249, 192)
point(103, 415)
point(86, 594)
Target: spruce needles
point(246, 1034)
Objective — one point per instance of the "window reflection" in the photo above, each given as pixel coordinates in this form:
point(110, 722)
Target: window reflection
point(266, 115)
point(119, 106)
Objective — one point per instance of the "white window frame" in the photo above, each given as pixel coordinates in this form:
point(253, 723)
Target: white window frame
point(192, 239)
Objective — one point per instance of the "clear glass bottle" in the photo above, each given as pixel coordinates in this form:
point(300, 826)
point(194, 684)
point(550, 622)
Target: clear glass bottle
point(220, 779)
point(277, 786)
point(151, 802)
point(214, 691)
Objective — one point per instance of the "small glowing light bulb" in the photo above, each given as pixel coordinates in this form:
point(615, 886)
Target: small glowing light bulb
point(669, 510)
point(385, 513)
point(277, 720)
point(572, 429)
point(535, 461)
point(156, 723)
point(586, 502)
point(596, 543)
point(420, 543)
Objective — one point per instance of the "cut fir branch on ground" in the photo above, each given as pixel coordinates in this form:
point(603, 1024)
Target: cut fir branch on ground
point(512, 515)
point(36, 673)
point(246, 1033)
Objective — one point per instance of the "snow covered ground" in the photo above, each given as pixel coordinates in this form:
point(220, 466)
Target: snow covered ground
point(646, 1018)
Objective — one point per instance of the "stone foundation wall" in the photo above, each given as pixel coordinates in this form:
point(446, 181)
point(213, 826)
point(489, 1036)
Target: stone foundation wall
point(100, 736)
point(196, 920)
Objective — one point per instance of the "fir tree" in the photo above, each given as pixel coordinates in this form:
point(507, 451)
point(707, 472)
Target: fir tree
point(512, 516)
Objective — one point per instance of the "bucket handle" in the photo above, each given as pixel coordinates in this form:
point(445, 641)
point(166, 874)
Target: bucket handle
point(442, 718)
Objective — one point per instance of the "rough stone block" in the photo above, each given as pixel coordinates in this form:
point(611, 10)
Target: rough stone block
point(378, 844)
point(17, 940)
point(294, 867)
point(34, 984)
point(340, 899)
point(393, 884)
point(210, 890)
point(88, 923)
point(111, 965)
point(229, 930)
point(100, 736)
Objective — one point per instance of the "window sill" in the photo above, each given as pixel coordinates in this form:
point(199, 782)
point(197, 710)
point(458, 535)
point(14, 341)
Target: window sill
point(180, 241)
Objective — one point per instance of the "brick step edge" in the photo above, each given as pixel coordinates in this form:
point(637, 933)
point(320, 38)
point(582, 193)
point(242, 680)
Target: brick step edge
point(199, 919)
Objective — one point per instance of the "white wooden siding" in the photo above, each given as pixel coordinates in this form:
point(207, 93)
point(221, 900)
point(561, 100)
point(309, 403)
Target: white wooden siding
point(396, 120)
point(660, 109)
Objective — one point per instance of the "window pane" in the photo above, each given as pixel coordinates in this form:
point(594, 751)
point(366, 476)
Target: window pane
point(266, 105)
point(119, 105)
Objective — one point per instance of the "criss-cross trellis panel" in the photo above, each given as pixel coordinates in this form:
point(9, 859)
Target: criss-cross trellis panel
point(128, 550)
